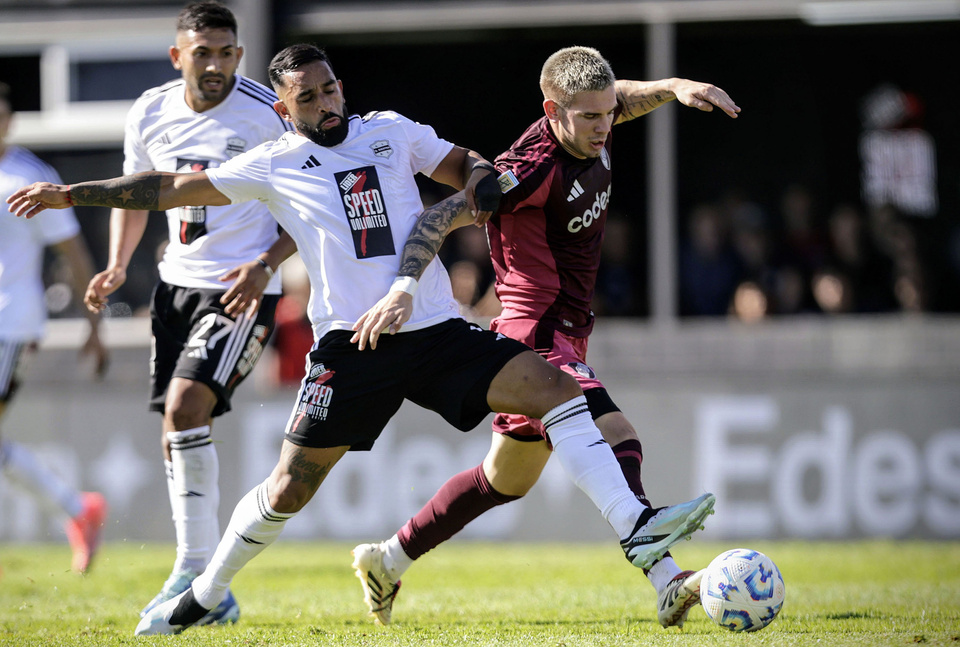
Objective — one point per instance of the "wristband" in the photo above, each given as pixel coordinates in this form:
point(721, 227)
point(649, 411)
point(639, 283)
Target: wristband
point(266, 267)
point(406, 284)
point(69, 197)
point(486, 166)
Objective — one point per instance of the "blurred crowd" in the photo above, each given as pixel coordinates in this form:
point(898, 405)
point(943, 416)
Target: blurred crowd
point(736, 259)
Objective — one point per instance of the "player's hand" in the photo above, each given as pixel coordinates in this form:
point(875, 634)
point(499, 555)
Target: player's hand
point(388, 315)
point(31, 200)
point(101, 285)
point(249, 282)
point(704, 96)
point(483, 195)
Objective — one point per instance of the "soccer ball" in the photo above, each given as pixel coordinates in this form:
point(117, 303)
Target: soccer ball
point(742, 590)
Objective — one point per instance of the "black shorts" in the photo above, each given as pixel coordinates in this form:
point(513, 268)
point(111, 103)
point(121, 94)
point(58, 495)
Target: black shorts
point(12, 354)
point(194, 338)
point(348, 396)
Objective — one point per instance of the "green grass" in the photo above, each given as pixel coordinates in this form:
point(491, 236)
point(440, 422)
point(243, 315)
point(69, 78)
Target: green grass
point(526, 594)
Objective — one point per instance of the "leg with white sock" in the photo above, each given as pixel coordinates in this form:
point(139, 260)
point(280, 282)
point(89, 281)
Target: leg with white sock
point(589, 462)
point(257, 521)
point(530, 386)
point(253, 526)
point(194, 496)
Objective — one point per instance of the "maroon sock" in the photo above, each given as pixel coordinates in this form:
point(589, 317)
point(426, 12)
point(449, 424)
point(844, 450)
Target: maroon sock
point(629, 454)
point(462, 499)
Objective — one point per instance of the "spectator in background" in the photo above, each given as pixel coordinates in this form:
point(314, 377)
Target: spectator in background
point(802, 241)
point(617, 277)
point(22, 316)
point(855, 267)
point(709, 268)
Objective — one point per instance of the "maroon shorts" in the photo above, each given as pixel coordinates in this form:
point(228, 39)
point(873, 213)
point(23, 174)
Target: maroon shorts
point(566, 353)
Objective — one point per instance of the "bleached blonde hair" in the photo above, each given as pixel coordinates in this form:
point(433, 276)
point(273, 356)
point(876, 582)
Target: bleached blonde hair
point(573, 70)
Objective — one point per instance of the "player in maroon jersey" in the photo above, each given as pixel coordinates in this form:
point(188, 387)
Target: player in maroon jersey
point(545, 246)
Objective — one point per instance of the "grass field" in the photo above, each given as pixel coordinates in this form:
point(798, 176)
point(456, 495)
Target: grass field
point(554, 595)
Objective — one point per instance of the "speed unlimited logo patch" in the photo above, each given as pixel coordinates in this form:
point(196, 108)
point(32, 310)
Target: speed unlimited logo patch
point(366, 212)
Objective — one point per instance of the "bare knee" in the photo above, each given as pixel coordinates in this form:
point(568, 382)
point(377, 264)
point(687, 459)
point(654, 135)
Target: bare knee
point(531, 386)
point(189, 404)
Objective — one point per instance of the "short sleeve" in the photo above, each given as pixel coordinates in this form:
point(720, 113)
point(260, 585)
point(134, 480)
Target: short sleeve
point(135, 157)
point(427, 149)
point(246, 176)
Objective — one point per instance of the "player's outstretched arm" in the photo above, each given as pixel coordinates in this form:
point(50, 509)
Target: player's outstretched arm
point(640, 97)
point(423, 243)
point(152, 190)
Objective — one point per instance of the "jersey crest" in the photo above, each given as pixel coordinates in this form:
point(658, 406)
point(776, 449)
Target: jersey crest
point(381, 148)
point(366, 212)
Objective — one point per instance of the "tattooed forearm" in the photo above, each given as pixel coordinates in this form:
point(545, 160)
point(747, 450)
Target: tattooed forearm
point(140, 191)
point(428, 234)
point(640, 104)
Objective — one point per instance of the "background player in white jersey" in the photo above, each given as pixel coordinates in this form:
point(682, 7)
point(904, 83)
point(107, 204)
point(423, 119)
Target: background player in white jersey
point(545, 242)
point(205, 339)
point(23, 312)
point(346, 191)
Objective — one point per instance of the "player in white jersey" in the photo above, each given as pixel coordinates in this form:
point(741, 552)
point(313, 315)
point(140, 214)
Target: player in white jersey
point(345, 191)
point(23, 312)
point(205, 339)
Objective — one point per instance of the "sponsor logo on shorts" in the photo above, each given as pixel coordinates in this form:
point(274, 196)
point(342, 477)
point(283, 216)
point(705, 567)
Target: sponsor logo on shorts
point(316, 396)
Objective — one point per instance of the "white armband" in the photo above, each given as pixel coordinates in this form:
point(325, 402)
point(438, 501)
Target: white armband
point(406, 284)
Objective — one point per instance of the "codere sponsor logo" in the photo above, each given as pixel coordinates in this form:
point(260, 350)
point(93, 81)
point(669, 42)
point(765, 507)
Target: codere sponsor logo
point(592, 214)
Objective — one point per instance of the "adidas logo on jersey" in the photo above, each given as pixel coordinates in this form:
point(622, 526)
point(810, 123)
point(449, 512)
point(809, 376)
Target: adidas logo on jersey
point(575, 192)
point(310, 163)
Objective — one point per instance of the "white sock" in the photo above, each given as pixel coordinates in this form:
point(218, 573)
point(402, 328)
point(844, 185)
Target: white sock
point(22, 467)
point(591, 465)
point(662, 572)
point(395, 561)
point(253, 526)
point(195, 497)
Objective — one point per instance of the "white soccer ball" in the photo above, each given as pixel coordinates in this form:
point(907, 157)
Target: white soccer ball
point(742, 590)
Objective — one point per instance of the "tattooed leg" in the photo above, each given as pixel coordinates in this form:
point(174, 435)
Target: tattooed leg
point(299, 474)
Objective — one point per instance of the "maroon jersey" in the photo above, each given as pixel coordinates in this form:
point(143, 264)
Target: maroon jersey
point(545, 237)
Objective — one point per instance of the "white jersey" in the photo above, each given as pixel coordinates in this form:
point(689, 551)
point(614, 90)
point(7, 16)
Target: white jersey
point(23, 310)
point(350, 209)
point(164, 134)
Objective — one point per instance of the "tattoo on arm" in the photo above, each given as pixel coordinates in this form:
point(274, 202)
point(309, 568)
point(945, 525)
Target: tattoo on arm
point(428, 234)
point(641, 104)
point(140, 191)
